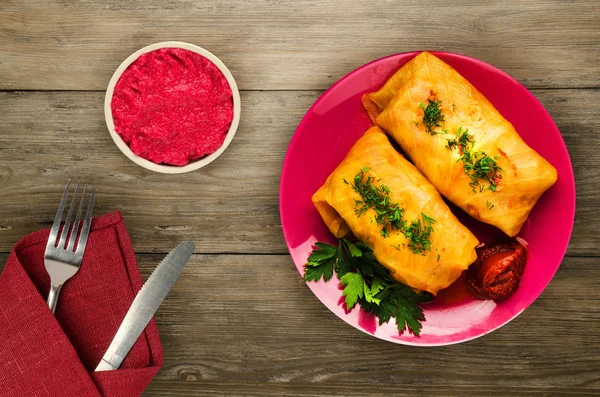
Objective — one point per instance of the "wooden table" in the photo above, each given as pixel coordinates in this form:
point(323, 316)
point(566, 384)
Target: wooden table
point(241, 321)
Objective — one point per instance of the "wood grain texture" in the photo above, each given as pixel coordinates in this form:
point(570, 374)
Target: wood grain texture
point(299, 45)
point(262, 332)
point(240, 321)
point(265, 332)
point(231, 206)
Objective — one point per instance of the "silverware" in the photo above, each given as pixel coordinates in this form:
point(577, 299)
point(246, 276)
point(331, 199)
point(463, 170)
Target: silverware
point(62, 263)
point(145, 304)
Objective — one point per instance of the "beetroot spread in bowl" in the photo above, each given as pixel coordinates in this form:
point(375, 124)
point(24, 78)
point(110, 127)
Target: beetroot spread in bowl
point(172, 107)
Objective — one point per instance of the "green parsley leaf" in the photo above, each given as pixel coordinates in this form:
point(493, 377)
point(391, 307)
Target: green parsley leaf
point(409, 316)
point(367, 283)
point(354, 250)
point(321, 262)
point(324, 251)
point(315, 271)
point(354, 288)
point(342, 266)
point(363, 247)
point(401, 302)
point(376, 287)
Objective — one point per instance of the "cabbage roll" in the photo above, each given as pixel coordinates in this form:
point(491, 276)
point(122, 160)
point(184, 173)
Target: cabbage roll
point(461, 143)
point(380, 198)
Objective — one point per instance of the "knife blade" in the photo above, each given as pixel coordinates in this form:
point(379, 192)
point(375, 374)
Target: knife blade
point(145, 304)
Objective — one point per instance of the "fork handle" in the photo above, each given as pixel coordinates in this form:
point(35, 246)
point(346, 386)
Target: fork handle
point(53, 296)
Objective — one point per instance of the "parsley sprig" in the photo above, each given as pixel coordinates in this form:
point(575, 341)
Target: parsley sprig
point(367, 283)
point(432, 115)
point(477, 165)
point(389, 215)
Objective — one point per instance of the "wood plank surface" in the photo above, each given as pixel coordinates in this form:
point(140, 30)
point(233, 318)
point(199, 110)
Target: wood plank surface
point(299, 45)
point(265, 327)
point(230, 206)
point(262, 332)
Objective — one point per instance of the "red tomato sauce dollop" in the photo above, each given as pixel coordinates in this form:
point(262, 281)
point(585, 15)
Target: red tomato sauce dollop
point(497, 272)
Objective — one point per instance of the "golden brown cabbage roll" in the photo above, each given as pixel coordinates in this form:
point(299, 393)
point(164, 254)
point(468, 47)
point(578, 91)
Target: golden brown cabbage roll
point(386, 203)
point(463, 145)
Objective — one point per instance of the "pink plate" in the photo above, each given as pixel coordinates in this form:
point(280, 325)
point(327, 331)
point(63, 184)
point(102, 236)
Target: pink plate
point(334, 123)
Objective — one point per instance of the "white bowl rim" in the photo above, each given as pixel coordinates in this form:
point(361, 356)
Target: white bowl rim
point(195, 164)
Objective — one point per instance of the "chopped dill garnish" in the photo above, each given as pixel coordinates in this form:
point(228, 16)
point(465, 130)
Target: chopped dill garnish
point(389, 215)
point(477, 165)
point(432, 115)
point(418, 234)
point(489, 205)
point(464, 139)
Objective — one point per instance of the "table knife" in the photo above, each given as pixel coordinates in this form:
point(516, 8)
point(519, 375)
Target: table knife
point(145, 304)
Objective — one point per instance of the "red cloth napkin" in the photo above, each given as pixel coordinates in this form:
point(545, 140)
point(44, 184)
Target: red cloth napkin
point(44, 355)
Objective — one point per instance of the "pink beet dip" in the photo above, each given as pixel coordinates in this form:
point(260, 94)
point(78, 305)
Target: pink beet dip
point(172, 106)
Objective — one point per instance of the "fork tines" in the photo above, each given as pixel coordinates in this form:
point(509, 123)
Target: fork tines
point(66, 231)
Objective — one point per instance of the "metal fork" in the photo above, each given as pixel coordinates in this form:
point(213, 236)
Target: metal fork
point(62, 263)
